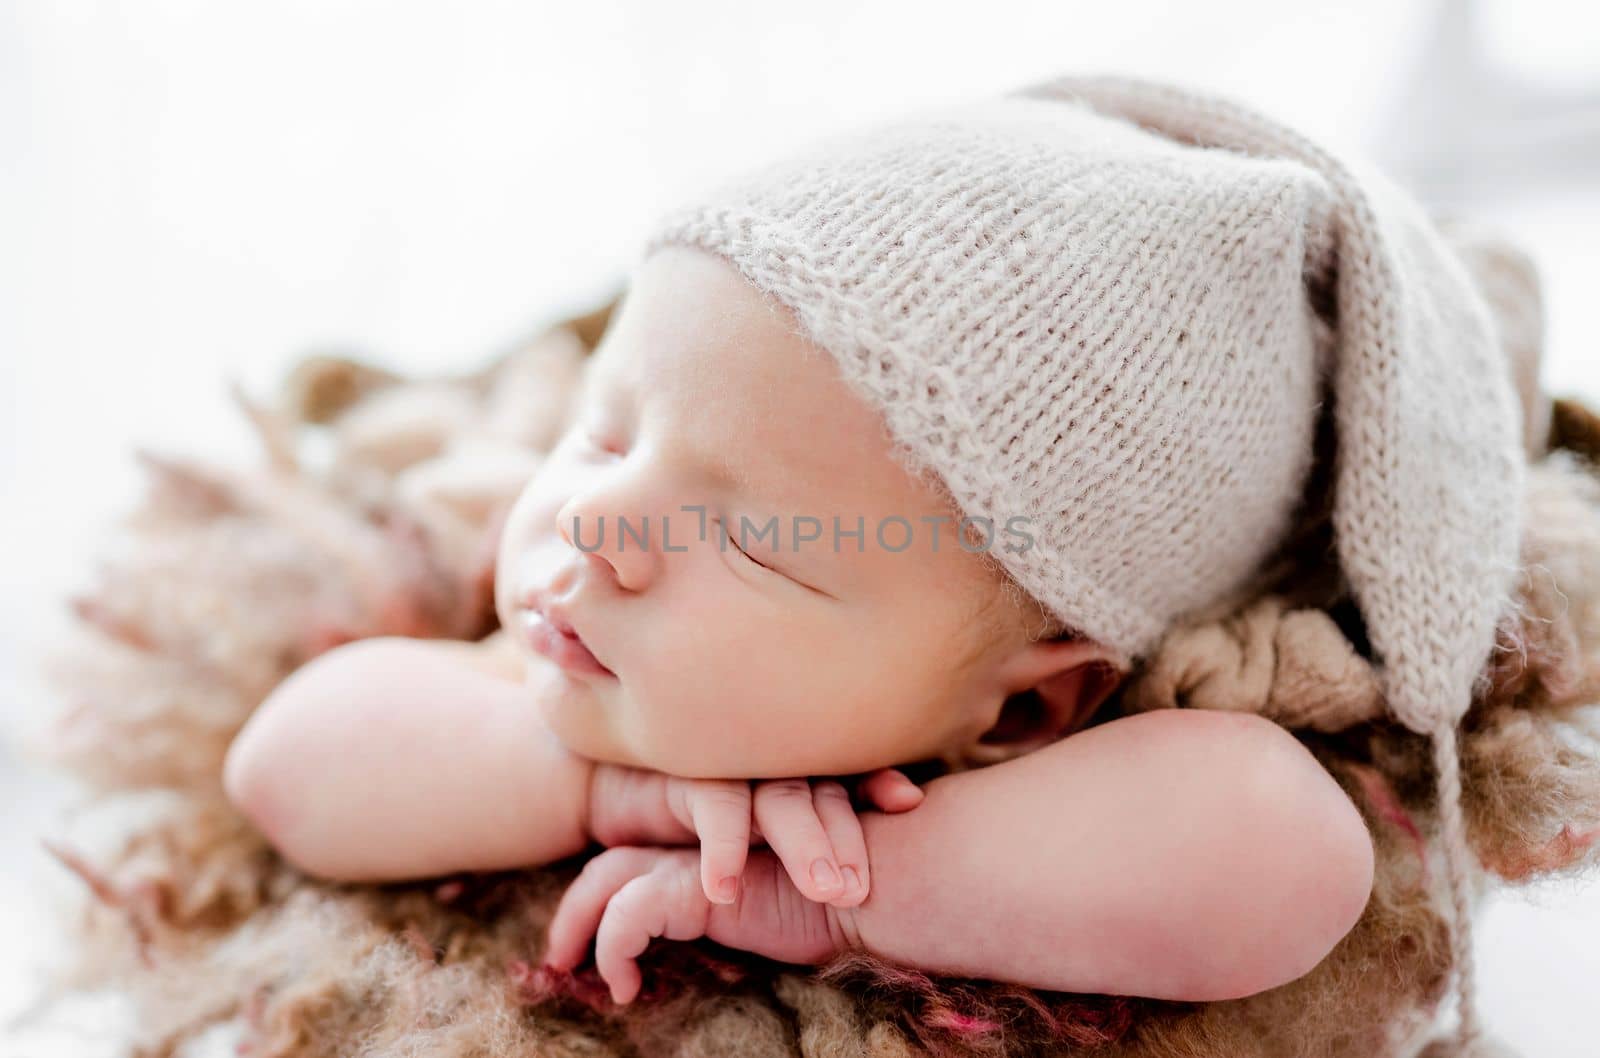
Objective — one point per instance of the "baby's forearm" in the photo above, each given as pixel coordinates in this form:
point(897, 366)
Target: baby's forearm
point(387, 759)
point(1174, 854)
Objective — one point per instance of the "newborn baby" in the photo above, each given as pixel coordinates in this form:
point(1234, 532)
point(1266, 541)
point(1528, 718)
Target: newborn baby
point(697, 684)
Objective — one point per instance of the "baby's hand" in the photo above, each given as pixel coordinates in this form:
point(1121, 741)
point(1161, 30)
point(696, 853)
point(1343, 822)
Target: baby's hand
point(627, 895)
point(804, 823)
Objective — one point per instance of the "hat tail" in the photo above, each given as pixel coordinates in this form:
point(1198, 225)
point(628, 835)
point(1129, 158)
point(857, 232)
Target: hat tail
point(1429, 462)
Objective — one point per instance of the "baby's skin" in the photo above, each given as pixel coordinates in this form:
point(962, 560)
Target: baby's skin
point(685, 691)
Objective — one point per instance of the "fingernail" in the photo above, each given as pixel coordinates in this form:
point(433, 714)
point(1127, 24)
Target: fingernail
point(824, 875)
point(852, 880)
point(728, 889)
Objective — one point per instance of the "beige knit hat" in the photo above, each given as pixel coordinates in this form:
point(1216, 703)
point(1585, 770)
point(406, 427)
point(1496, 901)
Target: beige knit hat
point(1115, 306)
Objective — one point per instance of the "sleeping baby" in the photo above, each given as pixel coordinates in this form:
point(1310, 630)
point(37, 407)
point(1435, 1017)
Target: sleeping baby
point(915, 442)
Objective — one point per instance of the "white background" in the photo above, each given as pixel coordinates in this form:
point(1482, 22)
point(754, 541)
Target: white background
point(196, 190)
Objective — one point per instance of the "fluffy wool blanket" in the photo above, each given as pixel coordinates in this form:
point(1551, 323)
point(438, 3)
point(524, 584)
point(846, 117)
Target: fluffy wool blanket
point(374, 510)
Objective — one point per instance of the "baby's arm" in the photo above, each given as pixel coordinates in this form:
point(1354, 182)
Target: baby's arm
point(1179, 854)
point(392, 758)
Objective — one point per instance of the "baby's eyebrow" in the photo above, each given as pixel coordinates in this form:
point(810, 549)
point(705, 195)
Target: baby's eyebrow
point(760, 489)
point(612, 388)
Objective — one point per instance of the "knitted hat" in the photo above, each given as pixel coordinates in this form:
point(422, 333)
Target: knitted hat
point(1115, 307)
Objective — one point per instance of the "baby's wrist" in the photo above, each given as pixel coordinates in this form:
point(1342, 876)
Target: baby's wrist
point(626, 805)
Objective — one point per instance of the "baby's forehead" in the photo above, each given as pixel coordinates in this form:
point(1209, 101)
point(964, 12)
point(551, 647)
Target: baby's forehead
point(773, 433)
point(723, 360)
point(726, 390)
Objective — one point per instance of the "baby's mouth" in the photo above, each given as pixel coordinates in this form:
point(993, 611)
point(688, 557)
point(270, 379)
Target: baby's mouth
point(560, 642)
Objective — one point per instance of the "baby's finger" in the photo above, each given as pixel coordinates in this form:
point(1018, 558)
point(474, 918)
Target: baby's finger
point(843, 828)
point(889, 790)
point(791, 826)
point(578, 913)
point(666, 902)
point(719, 812)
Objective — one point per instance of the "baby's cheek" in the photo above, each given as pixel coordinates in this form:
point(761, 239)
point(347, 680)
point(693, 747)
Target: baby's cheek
point(730, 714)
point(748, 685)
point(505, 609)
point(888, 706)
point(514, 554)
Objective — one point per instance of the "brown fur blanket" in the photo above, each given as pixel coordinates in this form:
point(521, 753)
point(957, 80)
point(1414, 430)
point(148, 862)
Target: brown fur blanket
point(373, 512)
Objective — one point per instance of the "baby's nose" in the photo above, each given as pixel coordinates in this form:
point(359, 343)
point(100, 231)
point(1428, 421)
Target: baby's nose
point(622, 555)
point(598, 564)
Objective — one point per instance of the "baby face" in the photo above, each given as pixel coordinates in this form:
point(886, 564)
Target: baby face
point(704, 417)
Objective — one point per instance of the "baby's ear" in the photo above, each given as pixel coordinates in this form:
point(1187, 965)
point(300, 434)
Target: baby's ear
point(1058, 684)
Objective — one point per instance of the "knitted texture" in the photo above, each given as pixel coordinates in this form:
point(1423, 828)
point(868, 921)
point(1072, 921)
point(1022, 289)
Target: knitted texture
point(1068, 320)
point(1113, 307)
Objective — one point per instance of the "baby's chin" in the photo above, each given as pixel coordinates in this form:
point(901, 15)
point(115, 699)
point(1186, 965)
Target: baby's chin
point(596, 720)
point(567, 702)
point(591, 718)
